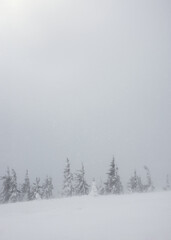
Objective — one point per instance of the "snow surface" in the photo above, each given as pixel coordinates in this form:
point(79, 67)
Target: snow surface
point(127, 217)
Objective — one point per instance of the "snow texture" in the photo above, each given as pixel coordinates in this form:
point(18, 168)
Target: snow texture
point(145, 216)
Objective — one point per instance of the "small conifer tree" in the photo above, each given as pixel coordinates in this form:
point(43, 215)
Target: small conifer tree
point(93, 191)
point(25, 188)
point(167, 187)
point(47, 188)
point(81, 186)
point(14, 197)
point(6, 187)
point(135, 183)
point(68, 181)
point(101, 188)
point(148, 187)
point(113, 184)
point(36, 191)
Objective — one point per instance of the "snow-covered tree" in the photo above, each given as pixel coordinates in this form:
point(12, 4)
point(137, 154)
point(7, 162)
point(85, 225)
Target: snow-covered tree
point(118, 189)
point(167, 187)
point(14, 197)
point(47, 188)
point(109, 185)
point(25, 188)
point(81, 187)
point(36, 191)
point(6, 187)
point(135, 184)
point(113, 184)
point(10, 192)
point(93, 191)
point(101, 188)
point(68, 181)
point(148, 187)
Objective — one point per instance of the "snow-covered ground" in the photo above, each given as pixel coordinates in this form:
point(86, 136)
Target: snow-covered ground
point(127, 217)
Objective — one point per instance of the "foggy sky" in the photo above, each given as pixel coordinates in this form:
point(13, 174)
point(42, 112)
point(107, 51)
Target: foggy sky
point(85, 80)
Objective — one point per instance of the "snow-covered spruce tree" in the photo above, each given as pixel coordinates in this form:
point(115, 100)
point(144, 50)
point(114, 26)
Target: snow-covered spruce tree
point(36, 190)
point(148, 187)
point(118, 186)
point(167, 187)
point(10, 192)
point(25, 189)
point(67, 190)
point(14, 197)
point(135, 184)
point(47, 188)
point(101, 188)
point(109, 184)
point(93, 191)
point(113, 184)
point(80, 187)
point(6, 187)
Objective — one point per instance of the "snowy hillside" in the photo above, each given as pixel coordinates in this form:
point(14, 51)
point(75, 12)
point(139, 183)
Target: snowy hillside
point(127, 217)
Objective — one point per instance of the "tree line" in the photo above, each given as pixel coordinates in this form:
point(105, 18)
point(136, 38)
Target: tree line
point(73, 185)
point(13, 192)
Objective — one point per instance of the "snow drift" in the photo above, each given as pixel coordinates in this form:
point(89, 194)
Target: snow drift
point(126, 217)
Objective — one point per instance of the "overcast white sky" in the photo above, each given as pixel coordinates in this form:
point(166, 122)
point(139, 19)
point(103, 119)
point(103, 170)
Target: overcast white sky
point(85, 80)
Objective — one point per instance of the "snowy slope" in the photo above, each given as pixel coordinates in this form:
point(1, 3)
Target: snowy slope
point(128, 217)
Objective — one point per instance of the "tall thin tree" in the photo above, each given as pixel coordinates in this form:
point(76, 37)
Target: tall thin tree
point(25, 189)
point(14, 190)
point(113, 184)
point(68, 181)
point(6, 187)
